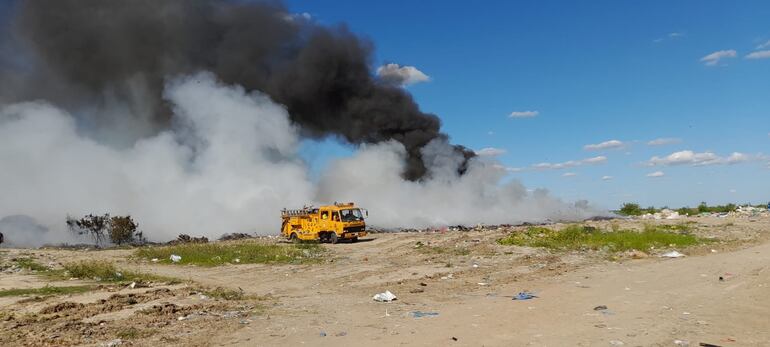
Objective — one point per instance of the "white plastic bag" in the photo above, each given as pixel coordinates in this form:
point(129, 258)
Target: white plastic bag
point(387, 296)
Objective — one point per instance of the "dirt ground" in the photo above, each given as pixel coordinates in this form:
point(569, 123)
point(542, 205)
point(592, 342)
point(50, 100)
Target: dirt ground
point(463, 280)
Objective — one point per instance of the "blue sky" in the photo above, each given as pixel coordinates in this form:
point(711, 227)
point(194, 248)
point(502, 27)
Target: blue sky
point(594, 72)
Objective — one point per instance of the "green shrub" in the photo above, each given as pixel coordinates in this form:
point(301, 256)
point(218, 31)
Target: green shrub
point(576, 237)
point(243, 252)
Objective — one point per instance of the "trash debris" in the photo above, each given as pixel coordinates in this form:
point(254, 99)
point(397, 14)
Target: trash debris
point(672, 254)
point(420, 314)
point(454, 338)
point(524, 296)
point(184, 238)
point(447, 277)
point(154, 260)
point(423, 284)
point(386, 296)
point(681, 343)
point(600, 308)
point(617, 343)
point(417, 290)
point(113, 343)
point(322, 334)
point(703, 344)
point(482, 283)
point(175, 258)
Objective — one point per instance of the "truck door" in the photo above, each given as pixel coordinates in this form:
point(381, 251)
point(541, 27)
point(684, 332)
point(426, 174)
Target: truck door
point(324, 222)
point(336, 225)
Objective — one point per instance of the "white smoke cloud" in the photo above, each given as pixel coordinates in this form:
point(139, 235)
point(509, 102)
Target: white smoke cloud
point(229, 165)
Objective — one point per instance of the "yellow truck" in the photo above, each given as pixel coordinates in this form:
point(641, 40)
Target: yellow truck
point(329, 223)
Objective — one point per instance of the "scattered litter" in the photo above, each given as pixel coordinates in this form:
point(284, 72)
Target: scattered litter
point(417, 290)
point(322, 334)
point(180, 318)
point(113, 343)
point(482, 283)
point(454, 338)
point(420, 314)
point(448, 277)
point(681, 343)
point(423, 284)
point(154, 260)
point(175, 258)
point(713, 251)
point(237, 260)
point(686, 313)
point(672, 254)
point(617, 343)
point(600, 308)
point(386, 296)
point(342, 333)
point(132, 285)
point(703, 344)
point(475, 265)
point(524, 296)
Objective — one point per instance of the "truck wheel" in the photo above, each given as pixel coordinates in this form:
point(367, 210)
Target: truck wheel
point(293, 237)
point(333, 238)
point(354, 240)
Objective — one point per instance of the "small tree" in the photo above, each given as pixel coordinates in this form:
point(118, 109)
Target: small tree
point(630, 209)
point(703, 207)
point(95, 227)
point(118, 229)
point(123, 230)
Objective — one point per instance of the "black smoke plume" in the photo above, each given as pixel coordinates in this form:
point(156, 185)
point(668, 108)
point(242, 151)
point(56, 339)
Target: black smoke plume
point(78, 53)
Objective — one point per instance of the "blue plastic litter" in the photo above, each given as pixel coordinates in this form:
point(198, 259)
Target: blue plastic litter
point(524, 296)
point(420, 314)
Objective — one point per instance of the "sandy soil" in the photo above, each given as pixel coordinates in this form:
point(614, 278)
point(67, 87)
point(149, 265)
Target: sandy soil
point(462, 276)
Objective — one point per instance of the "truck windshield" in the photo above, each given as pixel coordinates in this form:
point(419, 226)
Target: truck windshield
point(351, 215)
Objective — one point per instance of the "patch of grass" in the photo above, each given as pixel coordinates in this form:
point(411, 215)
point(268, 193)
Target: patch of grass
point(45, 291)
point(247, 252)
point(104, 271)
point(576, 237)
point(228, 294)
point(683, 227)
point(31, 264)
point(434, 250)
point(132, 333)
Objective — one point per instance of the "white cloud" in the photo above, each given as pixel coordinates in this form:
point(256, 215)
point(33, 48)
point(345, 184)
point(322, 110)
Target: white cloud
point(736, 157)
point(607, 178)
point(569, 174)
point(764, 45)
point(490, 152)
point(664, 141)
point(595, 160)
point(714, 58)
point(523, 114)
point(656, 174)
point(401, 75)
point(571, 163)
point(733, 190)
point(701, 159)
point(611, 144)
point(759, 55)
point(675, 35)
